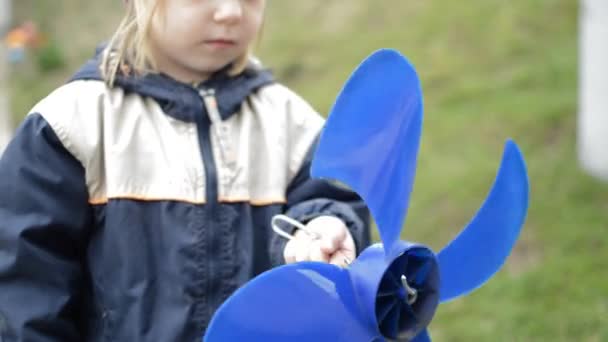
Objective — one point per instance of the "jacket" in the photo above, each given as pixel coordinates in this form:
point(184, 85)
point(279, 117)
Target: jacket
point(130, 213)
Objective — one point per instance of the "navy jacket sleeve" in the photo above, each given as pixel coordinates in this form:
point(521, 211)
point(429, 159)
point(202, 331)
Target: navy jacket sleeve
point(43, 214)
point(308, 198)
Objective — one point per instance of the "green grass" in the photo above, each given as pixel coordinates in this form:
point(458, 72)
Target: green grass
point(490, 70)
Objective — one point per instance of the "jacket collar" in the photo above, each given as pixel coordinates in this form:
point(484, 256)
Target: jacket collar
point(181, 100)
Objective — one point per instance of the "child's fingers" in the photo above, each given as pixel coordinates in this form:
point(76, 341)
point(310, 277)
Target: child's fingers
point(316, 253)
point(342, 258)
point(293, 248)
point(338, 260)
point(328, 241)
point(331, 230)
point(302, 249)
point(332, 240)
point(289, 253)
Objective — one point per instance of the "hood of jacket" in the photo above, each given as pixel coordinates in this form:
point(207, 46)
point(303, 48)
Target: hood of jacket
point(181, 100)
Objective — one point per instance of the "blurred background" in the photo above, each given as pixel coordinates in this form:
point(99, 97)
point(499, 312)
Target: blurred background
point(490, 70)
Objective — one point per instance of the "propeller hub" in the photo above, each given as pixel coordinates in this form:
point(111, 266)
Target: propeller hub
point(408, 293)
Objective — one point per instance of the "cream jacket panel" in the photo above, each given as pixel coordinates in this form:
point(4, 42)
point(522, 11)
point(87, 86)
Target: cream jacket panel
point(131, 149)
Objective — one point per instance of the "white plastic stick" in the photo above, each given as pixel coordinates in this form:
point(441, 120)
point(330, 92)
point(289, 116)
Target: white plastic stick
point(593, 88)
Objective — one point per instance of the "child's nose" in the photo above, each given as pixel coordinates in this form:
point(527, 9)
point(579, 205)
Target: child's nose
point(228, 11)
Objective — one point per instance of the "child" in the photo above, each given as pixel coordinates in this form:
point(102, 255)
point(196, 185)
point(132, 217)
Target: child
point(137, 197)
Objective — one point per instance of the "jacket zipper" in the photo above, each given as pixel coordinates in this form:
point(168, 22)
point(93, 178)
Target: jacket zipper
point(204, 126)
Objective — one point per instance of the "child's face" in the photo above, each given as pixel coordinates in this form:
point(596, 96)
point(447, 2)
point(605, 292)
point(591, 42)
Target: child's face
point(190, 39)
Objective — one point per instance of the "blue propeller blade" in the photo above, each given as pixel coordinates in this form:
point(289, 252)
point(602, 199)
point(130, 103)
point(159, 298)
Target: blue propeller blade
point(297, 302)
point(371, 138)
point(482, 247)
point(391, 291)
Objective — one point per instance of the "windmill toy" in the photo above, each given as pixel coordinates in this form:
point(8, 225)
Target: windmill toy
point(392, 290)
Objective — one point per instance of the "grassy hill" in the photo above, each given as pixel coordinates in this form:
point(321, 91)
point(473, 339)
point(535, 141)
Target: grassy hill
point(490, 70)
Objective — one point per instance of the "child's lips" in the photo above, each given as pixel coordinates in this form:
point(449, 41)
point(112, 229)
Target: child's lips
point(220, 43)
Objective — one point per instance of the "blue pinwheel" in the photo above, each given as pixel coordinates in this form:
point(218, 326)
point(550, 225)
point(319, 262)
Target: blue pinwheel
point(391, 291)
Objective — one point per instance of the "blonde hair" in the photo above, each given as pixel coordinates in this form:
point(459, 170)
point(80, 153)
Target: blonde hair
point(128, 51)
